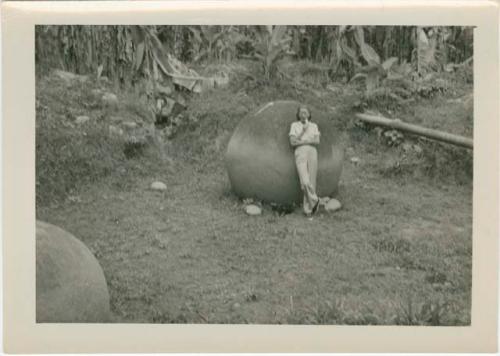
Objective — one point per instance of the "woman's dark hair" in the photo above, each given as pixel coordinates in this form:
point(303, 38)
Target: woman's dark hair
point(303, 107)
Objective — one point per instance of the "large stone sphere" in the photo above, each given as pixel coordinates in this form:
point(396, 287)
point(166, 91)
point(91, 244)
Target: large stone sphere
point(70, 284)
point(260, 161)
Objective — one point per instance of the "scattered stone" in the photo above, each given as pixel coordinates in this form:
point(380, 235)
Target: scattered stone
point(355, 160)
point(130, 125)
point(236, 306)
point(69, 77)
point(115, 131)
point(68, 289)
point(81, 120)
point(110, 99)
point(454, 101)
point(332, 205)
point(253, 210)
point(324, 200)
point(159, 186)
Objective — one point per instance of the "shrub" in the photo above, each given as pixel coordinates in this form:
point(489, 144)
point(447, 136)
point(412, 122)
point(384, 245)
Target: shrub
point(67, 158)
point(69, 155)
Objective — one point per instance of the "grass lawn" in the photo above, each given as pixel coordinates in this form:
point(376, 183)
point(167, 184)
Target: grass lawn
point(191, 254)
point(398, 252)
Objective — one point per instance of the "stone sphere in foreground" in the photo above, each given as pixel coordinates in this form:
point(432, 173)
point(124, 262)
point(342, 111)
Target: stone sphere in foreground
point(260, 161)
point(70, 284)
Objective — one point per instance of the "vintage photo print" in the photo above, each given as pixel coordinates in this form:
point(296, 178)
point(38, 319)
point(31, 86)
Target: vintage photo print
point(253, 174)
point(274, 175)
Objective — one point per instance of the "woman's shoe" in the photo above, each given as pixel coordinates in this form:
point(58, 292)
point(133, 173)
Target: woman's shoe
point(316, 207)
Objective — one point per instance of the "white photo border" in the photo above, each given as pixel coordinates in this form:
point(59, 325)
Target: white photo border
point(23, 335)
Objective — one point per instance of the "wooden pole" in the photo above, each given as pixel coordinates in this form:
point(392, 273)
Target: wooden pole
point(418, 130)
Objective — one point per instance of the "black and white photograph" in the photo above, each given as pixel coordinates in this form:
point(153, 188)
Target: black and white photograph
point(245, 174)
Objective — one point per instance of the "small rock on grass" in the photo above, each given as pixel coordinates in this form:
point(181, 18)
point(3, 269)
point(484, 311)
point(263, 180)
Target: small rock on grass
point(130, 125)
point(81, 120)
point(355, 160)
point(115, 131)
point(159, 186)
point(332, 205)
point(110, 99)
point(69, 77)
point(253, 210)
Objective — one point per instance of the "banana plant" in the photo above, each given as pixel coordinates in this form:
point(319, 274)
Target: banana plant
point(425, 51)
point(375, 69)
point(344, 52)
point(205, 39)
point(214, 42)
point(226, 46)
point(157, 63)
point(272, 44)
point(430, 48)
point(164, 74)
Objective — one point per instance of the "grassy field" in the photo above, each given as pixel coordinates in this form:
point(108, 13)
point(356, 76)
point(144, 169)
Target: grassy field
point(398, 252)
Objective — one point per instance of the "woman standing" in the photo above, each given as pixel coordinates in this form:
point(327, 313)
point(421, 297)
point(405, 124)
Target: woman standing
point(304, 137)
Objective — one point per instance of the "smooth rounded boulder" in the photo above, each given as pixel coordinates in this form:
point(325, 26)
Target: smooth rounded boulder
point(333, 205)
point(253, 210)
point(260, 161)
point(70, 284)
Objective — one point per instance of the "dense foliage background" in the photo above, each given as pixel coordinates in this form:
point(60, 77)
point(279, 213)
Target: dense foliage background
point(155, 57)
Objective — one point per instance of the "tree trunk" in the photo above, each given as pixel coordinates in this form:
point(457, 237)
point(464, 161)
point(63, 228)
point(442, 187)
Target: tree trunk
point(417, 130)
